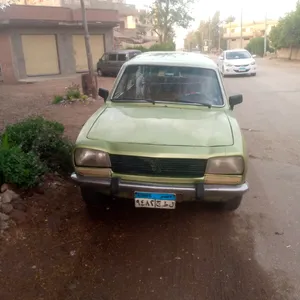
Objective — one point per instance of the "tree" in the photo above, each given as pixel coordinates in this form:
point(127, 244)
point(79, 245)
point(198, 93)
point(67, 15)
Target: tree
point(215, 30)
point(207, 30)
point(5, 3)
point(92, 80)
point(256, 46)
point(287, 32)
point(166, 14)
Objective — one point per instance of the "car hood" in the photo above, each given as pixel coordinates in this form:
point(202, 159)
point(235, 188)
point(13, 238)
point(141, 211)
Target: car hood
point(165, 126)
point(238, 62)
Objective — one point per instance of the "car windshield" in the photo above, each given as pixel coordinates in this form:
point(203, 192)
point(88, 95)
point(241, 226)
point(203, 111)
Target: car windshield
point(169, 84)
point(237, 55)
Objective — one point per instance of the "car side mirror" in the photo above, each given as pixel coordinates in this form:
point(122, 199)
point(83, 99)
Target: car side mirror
point(103, 93)
point(234, 100)
point(220, 58)
point(254, 55)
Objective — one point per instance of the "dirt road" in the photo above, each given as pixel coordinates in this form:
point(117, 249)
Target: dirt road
point(184, 254)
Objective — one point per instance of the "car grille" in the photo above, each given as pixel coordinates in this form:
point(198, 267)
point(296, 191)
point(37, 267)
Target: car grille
point(161, 167)
point(241, 65)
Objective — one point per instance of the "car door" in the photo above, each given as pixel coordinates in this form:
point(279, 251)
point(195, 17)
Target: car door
point(112, 63)
point(103, 65)
point(122, 58)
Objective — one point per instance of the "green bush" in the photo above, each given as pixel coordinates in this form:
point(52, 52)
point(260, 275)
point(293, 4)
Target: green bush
point(73, 91)
point(57, 99)
point(19, 168)
point(256, 46)
point(45, 139)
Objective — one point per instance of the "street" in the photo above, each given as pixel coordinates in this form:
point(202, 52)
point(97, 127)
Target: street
point(188, 253)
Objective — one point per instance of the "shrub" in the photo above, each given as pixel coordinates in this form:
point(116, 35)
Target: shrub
point(256, 46)
point(19, 168)
point(45, 139)
point(57, 99)
point(73, 91)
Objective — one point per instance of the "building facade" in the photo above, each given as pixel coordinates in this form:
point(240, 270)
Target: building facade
point(233, 32)
point(49, 40)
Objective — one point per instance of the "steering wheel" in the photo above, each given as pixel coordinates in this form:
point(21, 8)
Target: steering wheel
point(197, 94)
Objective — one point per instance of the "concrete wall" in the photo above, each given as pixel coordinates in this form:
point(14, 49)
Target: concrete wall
point(285, 53)
point(236, 43)
point(64, 47)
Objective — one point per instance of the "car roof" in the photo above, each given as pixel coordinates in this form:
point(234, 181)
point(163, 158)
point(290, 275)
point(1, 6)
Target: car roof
point(123, 51)
point(235, 50)
point(173, 58)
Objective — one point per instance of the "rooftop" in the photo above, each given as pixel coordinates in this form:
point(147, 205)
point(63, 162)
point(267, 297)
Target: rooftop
point(173, 58)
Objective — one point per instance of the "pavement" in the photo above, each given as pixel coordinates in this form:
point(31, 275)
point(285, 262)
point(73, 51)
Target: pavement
point(192, 254)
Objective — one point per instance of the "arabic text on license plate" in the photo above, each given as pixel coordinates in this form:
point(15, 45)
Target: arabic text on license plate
point(155, 200)
point(242, 69)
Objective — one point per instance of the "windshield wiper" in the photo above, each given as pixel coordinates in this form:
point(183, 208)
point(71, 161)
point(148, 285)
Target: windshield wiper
point(130, 99)
point(196, 103)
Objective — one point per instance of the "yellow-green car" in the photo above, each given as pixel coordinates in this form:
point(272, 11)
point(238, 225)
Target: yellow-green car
point(165, 135)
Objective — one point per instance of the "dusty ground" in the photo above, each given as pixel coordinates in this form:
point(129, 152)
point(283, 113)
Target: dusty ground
point(19, 101)
point(252, 254)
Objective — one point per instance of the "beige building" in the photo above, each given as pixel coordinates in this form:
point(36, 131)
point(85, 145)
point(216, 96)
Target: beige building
point(135, 30)
point(47, 40)
point(232, 32)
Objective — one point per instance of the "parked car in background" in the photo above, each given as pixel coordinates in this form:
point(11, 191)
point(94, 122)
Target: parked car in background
point(111, 62)
point(165, 135)
point(237, 62)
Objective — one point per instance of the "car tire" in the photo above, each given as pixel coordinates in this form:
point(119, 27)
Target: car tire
point(100, 73)
point(230, 205)
point(253, 74)
point(95, 202)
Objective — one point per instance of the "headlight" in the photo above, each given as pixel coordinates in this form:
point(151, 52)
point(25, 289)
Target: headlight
point(91, 158)
point(232, 165)
point(228, 65)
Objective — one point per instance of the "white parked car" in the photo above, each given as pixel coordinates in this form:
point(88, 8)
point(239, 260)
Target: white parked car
point(237, 62)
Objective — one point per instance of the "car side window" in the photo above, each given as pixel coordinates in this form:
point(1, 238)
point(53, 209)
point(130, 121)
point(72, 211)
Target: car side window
point(104, 57)
point(121, 57)
point(112, 57)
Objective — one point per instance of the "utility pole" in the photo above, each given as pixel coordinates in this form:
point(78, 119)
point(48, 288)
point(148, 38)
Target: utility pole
point(241, 28)
point(88, 51)
point(209, 34)
point(265, 35)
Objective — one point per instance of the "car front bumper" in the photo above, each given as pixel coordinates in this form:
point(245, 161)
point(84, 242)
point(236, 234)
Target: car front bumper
point(184, 192)
point(235, 70)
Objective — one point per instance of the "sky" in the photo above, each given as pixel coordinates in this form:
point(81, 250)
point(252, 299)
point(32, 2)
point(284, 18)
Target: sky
point(252, 10)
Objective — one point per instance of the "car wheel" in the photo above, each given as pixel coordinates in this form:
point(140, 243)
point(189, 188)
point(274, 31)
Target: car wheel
point(95, 202)
point(99, 72)
point(231, 204)
point(253, 74)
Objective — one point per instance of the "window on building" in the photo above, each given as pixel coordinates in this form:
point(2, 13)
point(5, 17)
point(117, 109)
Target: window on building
point(233, 40)
point(246, 39)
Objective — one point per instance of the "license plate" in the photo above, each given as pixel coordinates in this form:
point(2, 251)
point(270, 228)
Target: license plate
point(242, 69)
point(154, 200)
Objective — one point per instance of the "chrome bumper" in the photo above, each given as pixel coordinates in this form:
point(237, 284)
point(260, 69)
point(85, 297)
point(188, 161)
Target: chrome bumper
point(184, 192)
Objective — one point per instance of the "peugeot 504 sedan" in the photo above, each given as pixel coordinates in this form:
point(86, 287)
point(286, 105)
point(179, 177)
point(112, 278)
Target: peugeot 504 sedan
point(166, 134)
